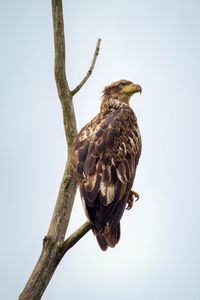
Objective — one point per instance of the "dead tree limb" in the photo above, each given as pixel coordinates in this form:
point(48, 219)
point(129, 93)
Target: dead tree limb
point(75, 237)
point(54, 246)
point(96, 52)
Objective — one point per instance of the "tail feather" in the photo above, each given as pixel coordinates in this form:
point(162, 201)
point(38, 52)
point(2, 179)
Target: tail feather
point(101, 241)
point(107, 238)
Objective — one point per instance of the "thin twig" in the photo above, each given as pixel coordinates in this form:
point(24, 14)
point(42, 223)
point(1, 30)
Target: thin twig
point(90, 69)
point(75, 237)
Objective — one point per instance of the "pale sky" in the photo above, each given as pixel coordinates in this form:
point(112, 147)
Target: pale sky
point(153, 43)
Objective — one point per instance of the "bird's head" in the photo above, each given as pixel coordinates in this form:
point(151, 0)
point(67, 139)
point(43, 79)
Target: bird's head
point(119, 92)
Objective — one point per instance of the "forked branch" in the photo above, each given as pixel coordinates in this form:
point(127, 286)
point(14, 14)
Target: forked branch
point(54, 246)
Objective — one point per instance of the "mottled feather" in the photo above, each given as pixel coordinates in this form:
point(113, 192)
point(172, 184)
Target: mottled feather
point(105, 156)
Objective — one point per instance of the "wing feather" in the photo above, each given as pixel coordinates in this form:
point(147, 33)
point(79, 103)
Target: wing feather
point(105, 156)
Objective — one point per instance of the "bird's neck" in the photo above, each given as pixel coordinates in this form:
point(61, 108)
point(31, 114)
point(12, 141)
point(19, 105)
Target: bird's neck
point(111, 104)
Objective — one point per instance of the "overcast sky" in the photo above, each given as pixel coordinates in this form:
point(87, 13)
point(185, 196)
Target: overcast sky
point(153, 43)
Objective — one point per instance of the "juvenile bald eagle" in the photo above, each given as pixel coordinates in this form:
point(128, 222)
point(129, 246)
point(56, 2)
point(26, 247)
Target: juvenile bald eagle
point(105, 156)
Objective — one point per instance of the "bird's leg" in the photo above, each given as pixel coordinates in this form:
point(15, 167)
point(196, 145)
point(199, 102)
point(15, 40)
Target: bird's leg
point(131, 199)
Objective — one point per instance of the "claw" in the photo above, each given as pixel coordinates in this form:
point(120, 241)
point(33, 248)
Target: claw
point(131, 199)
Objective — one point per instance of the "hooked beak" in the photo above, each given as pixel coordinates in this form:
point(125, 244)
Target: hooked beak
point(132, 88)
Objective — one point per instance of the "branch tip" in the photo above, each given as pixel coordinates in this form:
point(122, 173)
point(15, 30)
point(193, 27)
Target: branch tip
point(75, 237)
point(96, 53)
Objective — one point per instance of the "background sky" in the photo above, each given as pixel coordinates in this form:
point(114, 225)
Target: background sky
point(153, 43)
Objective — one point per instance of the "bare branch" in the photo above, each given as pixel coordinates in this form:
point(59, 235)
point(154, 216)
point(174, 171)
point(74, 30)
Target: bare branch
point(49, 257)
point(60, 74)
point(90, 69)
point(54, 246)
point(75, 237)
point(67, 190)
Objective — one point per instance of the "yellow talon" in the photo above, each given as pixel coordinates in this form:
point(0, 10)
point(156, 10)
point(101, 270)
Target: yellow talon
point(131, 199)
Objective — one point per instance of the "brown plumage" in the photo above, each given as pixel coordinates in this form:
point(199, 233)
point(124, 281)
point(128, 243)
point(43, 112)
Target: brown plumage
point(105, 157)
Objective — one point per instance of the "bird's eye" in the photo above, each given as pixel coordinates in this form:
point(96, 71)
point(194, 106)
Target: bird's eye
point(122, 84)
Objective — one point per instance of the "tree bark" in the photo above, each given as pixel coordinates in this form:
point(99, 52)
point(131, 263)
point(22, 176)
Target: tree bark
point(48, 261)
point(54, 246)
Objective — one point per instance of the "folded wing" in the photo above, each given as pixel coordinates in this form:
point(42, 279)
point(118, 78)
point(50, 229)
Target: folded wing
point(105, 156)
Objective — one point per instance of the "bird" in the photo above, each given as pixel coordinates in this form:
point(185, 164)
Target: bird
point(105, 155)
